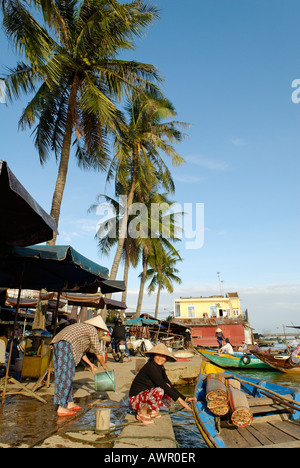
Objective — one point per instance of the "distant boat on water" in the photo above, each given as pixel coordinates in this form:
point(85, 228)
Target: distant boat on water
point(280, 362)
point(237, 360)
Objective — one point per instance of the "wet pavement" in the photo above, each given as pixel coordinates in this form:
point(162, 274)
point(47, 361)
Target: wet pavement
point(26, 422)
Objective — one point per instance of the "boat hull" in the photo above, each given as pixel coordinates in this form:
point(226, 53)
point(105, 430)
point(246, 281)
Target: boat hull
point(266, 434)
point(236, 361)
point(279, 362)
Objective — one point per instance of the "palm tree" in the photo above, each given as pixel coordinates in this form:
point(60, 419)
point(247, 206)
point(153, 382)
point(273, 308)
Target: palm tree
point(162, 272)
point(108, 230)
point(138, 163)
point(164, 228)
point(75, 76)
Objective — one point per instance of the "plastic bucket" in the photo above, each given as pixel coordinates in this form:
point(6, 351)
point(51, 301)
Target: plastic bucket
point(105, 381)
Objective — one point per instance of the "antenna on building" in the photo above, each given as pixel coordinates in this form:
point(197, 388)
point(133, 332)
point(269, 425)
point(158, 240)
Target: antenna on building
point(220, 283)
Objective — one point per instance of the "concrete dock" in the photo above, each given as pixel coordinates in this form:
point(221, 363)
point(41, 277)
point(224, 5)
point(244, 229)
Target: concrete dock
point(134, 434)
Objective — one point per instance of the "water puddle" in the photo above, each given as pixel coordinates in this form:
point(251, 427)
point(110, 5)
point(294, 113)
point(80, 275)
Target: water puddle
point(27, 422)
point(22, 420)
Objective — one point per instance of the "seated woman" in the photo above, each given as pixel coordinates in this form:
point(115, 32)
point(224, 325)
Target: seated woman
point(151, 389)
point(227, 348)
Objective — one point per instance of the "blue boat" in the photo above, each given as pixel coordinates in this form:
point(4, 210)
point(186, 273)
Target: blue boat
point(276, 417)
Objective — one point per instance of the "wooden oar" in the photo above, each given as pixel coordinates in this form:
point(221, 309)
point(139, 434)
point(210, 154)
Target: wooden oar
point(277, 395)
point(281, 402)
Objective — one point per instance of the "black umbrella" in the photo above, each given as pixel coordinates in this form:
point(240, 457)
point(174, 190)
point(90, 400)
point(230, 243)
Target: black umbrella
point(23, 220)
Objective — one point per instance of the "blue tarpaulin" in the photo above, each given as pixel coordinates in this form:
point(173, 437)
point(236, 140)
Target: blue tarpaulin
point(55, 268)
point(140, 321)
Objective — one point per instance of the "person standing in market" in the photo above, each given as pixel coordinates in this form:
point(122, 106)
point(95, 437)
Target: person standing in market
point(188, 338)
point(69, 347)
point(220, 337)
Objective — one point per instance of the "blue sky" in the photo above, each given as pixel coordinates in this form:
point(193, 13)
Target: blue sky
point(228, 68)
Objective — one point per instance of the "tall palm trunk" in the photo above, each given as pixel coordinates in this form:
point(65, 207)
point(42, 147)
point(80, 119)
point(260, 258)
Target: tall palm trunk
point(157, 299)
point(124, 223)
point(126, 271)
point(64, 160)
point(142, 284)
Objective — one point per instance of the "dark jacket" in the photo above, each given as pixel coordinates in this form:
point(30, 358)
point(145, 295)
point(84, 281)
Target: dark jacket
point(119, 333)
point(152, 376)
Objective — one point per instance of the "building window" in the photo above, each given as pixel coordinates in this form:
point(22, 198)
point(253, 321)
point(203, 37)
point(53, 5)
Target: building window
point(236, 312)
point(177, 309)
point(225, 313)
point(191, 311)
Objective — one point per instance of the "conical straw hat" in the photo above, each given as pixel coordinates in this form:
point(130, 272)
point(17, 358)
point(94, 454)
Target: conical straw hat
point(97, 322)
point(162, 349)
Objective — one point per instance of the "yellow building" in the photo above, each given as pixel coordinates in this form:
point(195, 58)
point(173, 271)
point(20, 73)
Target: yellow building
point(208, 307)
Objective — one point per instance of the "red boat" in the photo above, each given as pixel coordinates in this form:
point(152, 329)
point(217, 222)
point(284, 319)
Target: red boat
point(281, 362)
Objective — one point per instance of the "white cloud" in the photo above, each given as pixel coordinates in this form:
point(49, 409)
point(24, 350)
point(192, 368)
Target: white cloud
point(189, 179)
point(65, 237)
point(238, 142)
point(207, 163)
point(222, 233)
point(86, 225)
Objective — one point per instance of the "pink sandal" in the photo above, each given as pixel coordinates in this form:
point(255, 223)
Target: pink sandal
point(69, 413)
point(155, 415)
point(75, 408)
point(144, 419)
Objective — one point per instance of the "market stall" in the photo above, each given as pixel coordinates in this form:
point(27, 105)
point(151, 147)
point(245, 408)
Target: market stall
point(54, 268)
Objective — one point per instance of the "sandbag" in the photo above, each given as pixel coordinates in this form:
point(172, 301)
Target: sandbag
point(241, 415)
point(218, 408)
point(216, 388)
point(216, 395)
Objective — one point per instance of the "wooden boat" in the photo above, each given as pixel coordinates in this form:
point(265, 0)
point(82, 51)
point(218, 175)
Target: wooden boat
point(183, 355)
point(280, 362)
point(274, 424)
point(237, 360)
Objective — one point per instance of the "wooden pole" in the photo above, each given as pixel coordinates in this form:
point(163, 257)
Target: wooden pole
point(13, 335)
point(56, 312)
point(103, 420)
point(27, 390)
point(266, 390)
point(282, 402)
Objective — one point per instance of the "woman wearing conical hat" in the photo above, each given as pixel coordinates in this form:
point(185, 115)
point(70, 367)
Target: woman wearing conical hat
point(69, 347)
point(151, 389)
point(220, 337)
